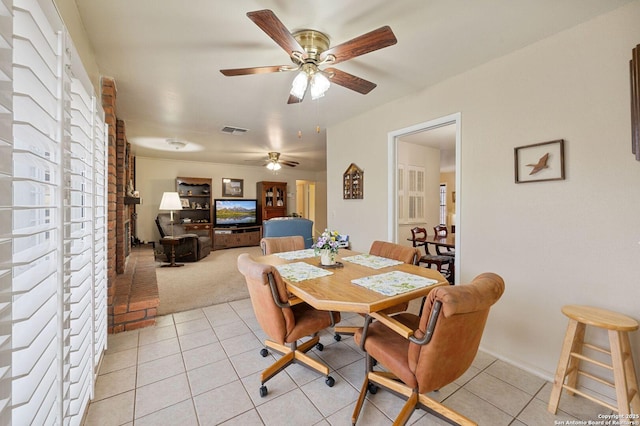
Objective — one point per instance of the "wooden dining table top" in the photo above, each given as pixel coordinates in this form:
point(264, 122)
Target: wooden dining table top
point(336, 292)
point(449, 241)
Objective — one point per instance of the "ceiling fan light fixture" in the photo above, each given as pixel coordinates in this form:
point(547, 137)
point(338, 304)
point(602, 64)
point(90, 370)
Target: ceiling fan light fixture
point(319, 85)
point(299, 85)
point(177, 144)
point(272, 165)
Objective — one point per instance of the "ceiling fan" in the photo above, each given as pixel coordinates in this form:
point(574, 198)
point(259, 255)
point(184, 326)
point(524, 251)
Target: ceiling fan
point(309, 50)
point(275, 163)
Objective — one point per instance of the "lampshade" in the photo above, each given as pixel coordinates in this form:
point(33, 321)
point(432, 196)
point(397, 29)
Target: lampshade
point(170, 201)
point(319, 85)
point(272, 165)
point(299, 85)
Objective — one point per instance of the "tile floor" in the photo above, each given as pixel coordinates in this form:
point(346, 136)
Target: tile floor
point(202, 367)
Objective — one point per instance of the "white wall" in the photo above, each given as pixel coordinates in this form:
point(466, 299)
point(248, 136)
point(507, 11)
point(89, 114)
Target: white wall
point(565, 242)
point(155, 176)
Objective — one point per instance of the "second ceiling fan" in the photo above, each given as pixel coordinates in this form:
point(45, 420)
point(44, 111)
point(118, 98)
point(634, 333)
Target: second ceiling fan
point(309, 50)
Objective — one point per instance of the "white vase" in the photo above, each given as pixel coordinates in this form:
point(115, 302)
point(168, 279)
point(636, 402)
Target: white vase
point(327, 258)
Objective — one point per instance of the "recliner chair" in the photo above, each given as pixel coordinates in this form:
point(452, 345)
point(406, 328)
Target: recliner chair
point(193, 248)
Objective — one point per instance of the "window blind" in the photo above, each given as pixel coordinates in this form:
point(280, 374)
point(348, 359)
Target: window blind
point(55, 269)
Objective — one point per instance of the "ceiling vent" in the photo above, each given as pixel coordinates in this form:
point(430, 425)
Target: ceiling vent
point(233, 130)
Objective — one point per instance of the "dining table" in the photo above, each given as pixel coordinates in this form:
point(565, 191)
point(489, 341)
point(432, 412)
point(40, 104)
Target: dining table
point(361, 283)
point(439, 241)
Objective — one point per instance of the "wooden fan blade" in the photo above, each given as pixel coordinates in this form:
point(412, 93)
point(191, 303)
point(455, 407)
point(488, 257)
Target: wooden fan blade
point(350, 81)
point(274, 28)
point(373, 40)
point(289, 163)
point(249, 71)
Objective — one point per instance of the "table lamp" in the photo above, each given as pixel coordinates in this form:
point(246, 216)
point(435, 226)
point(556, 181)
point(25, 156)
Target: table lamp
point(171, 201)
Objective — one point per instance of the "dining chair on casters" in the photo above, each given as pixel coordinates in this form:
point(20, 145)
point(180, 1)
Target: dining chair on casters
point(421, 354)
point(420, 234)
point(389, 250)
point(283, 322)
point(271, 245)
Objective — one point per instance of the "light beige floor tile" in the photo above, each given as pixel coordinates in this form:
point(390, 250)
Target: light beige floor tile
point(157, 334)
point(251, 362)
point(521, 379)
point(193, 326)
point(221, 314)
point(211, 376)
point(501, 394)
point(113, 411)
point(353, 373)
point(160, 369)
point(535, 413)
point(338, 355)
point(183, 414)
point(222, 404)
point(280, 411)
point(119, 360)
point(576, 406)
point(203, 355)
point(369, 415)
point(200, 338)
point(122, 341)
point(161, 394)
point(241, 343)
point(164, 320)
point(467, 375)
point(180, 317)
point(477, 409)
point(228, 330)
point(158, 350)
point(115, 383)
point(330, 399)
point(483, 360)
point(249, 418)
point(278, 385)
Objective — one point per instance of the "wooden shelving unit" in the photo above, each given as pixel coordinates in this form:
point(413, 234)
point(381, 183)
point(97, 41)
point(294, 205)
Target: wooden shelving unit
point(272, 200)
point(353, 183)
point(197, 208)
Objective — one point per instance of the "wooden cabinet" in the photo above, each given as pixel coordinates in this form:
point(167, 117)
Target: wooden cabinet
point(272, 200)
point(353, 183)
point(224, 238)
point(197, 209)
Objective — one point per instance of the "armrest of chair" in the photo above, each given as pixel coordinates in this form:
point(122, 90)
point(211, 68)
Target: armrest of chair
point(393, 324)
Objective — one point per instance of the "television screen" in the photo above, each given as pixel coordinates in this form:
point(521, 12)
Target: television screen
point(235, 213)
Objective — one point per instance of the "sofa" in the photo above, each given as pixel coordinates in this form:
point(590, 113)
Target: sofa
point(288, 226)
point(193, 248)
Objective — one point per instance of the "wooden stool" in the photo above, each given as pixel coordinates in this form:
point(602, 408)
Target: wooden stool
point(624, 374)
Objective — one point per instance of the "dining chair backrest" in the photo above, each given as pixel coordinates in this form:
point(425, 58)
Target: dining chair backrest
point(271, 245)
point(418, 232)
point(441, 230)
point(394, 251)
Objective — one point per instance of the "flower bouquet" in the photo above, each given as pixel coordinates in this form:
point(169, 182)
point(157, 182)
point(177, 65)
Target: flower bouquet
point(327, 246)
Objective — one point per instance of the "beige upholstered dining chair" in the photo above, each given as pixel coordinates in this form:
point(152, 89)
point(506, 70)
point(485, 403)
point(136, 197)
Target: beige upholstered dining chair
point(404, 254)
point(271, 245)
point(284, 323)
point(420, 354)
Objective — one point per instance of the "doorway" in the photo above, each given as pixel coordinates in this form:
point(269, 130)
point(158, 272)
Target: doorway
point(440, 136)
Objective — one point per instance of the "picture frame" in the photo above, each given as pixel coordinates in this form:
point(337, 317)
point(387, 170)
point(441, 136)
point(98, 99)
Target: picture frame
point(232, 187)
point(185, 203)
point(539, 162)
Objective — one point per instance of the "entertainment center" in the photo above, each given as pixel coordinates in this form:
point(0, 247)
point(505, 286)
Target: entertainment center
point(224, 238)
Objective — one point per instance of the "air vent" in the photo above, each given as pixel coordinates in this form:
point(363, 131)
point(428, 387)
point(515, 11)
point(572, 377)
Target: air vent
point(233, 130)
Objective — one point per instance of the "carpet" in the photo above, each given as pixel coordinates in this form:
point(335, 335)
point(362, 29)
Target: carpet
point(210, 281)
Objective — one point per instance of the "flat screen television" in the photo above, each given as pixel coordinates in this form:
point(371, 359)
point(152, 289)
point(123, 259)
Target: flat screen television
point(229, 213)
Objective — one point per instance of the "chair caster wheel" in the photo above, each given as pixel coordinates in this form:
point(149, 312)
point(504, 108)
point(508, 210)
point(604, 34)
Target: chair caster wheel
point(264, 352)
point(320, 347)
point(263, 391)
point(330, 381)
point(373, 389)
point(337, 337)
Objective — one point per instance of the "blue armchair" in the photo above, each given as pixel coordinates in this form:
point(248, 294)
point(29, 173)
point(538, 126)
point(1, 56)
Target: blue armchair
point(288, 226)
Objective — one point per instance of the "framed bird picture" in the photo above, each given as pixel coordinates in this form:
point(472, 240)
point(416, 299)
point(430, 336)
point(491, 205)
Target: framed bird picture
point(539, 162)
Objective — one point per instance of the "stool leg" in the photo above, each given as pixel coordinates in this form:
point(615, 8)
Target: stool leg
point(572, 343)
point(630, 371)
point(623, 371)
